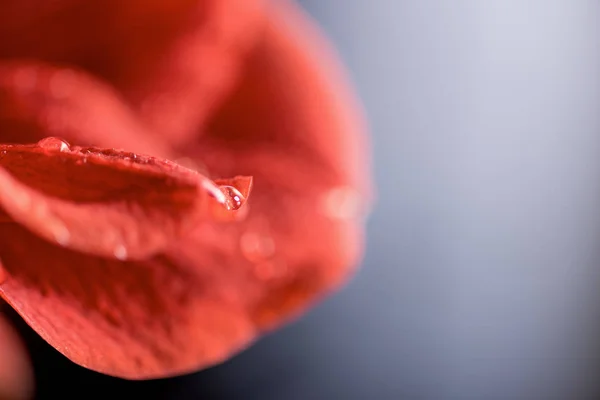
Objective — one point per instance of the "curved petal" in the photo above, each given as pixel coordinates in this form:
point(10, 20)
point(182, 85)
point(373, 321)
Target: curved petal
point(192, 77)
point(102, 202)
point(172, 60)
point(38, 100)
point(132, 319)
point(293, 124)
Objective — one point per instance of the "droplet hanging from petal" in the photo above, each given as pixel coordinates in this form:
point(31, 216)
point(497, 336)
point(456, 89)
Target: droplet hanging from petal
point(234, 200)
point(229, 198)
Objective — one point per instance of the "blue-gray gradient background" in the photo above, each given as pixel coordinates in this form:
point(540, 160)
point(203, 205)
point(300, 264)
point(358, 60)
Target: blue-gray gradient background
point(482, 276)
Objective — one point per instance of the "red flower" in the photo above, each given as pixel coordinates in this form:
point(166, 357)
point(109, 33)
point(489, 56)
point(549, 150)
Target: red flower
point(133, 265)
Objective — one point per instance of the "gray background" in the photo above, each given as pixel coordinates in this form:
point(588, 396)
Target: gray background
point(482, 275)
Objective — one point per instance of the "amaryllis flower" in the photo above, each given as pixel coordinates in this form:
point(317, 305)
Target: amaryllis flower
point(237, 200)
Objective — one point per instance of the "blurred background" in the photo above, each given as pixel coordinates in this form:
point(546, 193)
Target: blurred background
point(482, 275)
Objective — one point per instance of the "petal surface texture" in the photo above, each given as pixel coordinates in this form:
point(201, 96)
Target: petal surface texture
point(140, 267)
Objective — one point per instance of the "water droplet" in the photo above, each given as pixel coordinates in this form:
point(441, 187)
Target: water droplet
point(120, 252)
point(233, 198)
point(54, 143)
point(257, 246)
point(342, 203)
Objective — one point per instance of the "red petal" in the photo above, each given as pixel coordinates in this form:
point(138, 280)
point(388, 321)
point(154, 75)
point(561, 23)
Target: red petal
point(15, 372)
point(293, 124)
point(172, 59)
point(38, 100)
point(193, 75)
point(102, 202)
point(134, 320)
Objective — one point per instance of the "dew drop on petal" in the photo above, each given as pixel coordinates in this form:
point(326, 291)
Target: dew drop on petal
point(54, 143)
point(233, 198)
point(120, 252)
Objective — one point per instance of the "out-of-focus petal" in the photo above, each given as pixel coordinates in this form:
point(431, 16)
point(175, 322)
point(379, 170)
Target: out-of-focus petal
point(294, 125)
point(172, 60)
point(16, 375)
point(38, 100)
